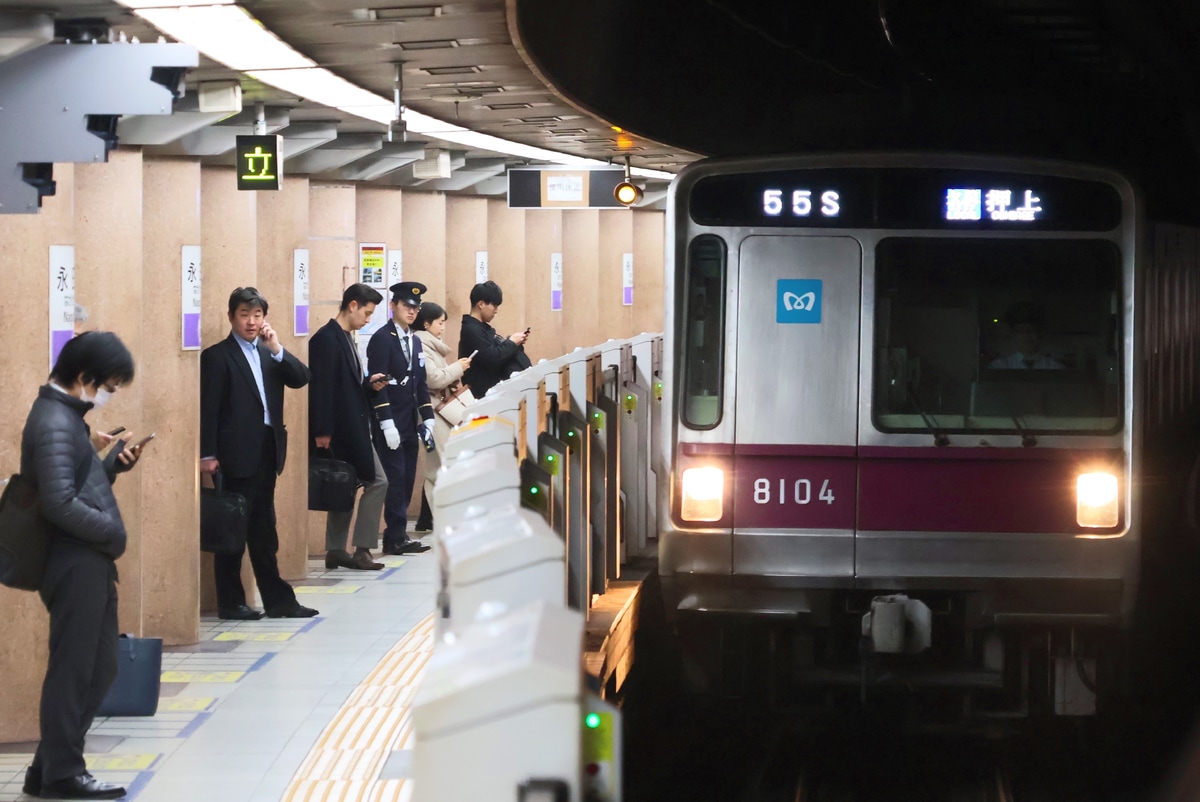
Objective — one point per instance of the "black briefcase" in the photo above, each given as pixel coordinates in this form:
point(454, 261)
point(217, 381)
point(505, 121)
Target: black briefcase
point(24, 536)
point(223, 518)
point(139, 678)
point(332, 483)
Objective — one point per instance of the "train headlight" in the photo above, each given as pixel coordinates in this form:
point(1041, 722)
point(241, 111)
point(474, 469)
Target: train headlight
point(703, 494)
point(1096, 500)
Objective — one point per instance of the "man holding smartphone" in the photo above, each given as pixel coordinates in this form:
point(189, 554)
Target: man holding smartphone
point(395, 350)
point(242, 435)
point(497, 358)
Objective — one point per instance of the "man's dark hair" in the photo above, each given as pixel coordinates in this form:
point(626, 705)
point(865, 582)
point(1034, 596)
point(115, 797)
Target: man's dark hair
point(488, 292)
point(429, 313)
point(99, 356)
point(248, 296)
point(362, 294)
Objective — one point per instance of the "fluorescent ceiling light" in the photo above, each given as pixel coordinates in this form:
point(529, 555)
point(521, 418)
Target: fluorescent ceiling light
point(227, 34)
point(173, 3)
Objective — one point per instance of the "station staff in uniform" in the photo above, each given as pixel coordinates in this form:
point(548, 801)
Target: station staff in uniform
point(396, 350)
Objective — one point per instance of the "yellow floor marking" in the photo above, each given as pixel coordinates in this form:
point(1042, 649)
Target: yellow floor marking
point(392, 563)
point(329, 590)
point(255, 636)
point(120, 762)
point(186, 704)
point(344, 764)
point(196, 676)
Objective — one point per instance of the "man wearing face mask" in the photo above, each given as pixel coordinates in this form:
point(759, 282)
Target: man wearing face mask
point(79, 587)
point(242, 434)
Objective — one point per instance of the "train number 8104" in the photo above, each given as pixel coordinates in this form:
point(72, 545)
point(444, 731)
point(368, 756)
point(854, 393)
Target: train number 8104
point(801, 492)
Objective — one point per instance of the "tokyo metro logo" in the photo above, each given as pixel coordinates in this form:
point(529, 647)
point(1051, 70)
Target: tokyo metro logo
point(798, 300)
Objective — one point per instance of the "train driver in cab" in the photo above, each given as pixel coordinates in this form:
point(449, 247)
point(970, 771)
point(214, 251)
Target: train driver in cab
point(1025, 319)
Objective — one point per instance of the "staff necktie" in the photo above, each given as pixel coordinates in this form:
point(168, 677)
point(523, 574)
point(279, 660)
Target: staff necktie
point(407, 355)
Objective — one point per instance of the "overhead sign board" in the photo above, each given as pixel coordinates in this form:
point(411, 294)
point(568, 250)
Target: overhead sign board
point(558, 188)
point(259, 162)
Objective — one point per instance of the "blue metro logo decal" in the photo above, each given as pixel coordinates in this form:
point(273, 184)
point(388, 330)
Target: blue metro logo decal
point(798, 300)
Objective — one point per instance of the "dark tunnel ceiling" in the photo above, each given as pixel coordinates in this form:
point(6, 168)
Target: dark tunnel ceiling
point(1112, 82)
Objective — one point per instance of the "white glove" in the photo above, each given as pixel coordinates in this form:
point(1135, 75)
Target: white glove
point(428, 427)
point(391, 435)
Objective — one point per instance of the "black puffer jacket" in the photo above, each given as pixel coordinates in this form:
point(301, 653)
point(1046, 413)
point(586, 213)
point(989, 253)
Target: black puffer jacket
point(74, 484)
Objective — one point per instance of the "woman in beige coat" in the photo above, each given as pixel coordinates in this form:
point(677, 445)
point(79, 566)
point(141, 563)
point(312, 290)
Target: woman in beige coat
point(444, 379)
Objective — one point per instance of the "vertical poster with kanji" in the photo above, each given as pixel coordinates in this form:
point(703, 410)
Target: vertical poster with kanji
point(190, 297)
point(62, 298)
point(300, 291)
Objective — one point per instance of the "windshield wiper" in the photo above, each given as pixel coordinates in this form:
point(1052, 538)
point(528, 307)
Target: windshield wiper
point(1027, 438)
point(939, 437)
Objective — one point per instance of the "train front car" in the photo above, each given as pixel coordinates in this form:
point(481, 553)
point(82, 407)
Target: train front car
point(903, 429)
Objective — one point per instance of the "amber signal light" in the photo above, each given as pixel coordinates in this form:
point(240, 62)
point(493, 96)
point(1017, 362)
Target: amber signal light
point(627, 194)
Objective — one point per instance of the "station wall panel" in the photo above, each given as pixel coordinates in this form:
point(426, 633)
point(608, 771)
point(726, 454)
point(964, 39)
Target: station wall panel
point(543, 237)
point(169, 380)
point(108, 281)
point(615, 240)
point(581, 321)
point(24, 323)
point(282, 222)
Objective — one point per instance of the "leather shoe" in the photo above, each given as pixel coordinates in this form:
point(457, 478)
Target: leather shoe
point(239, 613)
point(85, 786)
point(33, 782)
point(363, 562)
point(407, 547)
point(338, 559)
point(295, 611)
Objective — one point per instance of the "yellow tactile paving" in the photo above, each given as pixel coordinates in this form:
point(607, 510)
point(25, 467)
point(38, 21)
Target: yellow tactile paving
point(344, 764)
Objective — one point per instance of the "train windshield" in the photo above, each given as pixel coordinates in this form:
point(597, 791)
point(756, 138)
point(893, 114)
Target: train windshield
point(997, 335)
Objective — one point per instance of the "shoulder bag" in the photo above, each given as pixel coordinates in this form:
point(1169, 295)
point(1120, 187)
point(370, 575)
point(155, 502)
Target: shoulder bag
point(223, 518)
point(332, 483)
point(24, 535)
point(455, 400)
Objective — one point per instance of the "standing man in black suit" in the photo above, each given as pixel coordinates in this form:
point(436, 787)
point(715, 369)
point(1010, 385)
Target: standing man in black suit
point(242, 434)
point(344, 406)
point(395, 350)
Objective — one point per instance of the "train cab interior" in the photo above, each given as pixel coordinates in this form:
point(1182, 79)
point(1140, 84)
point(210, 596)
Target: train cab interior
point(1000, 336)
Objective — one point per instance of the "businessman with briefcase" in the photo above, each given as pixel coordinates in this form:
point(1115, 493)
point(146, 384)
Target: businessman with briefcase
point(242, 435)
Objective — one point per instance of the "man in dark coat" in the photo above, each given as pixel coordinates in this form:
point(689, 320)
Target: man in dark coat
point(394, 350)
point(343, 404)
point(242, 434)
point(79, 587)
point(494, 358)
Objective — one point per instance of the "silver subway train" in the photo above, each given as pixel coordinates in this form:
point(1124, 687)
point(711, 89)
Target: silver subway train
point(908, 399)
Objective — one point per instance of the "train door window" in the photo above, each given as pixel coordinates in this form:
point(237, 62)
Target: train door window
point(1003, 335)
point(704, 332)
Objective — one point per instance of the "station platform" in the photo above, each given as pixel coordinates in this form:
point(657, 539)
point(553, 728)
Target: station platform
point(279, 709)
point(307, 710)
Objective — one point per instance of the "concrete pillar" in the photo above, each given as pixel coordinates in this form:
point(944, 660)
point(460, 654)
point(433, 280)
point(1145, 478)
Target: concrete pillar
point(615, 240)
point(543, 236)
point(332, 245)
point(169, 376)
point(424, 235)
point(229, 236)
point(506, 263)
point(649, 239)
point(108, 281)
point(467, 227)
point(24, 318)
point(282, 222)
point(582, 322)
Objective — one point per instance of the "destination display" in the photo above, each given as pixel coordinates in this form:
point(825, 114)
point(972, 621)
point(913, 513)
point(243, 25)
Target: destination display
point(905, 198)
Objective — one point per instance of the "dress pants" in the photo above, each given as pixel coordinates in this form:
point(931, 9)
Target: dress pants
point(262, 540)
point(401, 468)
point(80, 592)
point(366, 527)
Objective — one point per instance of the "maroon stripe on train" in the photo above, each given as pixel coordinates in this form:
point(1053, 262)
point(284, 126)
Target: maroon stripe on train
point(976, 495)
point(791, 492)
point(706, 449)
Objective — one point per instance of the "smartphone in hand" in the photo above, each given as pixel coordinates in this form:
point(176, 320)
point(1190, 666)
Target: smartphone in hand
point(145, 440)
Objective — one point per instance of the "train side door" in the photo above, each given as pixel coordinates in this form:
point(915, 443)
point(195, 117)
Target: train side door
point(796, 405)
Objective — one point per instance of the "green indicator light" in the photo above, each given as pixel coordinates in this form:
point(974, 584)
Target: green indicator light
point(592, 721)
point(549, 458)
point(596, 415)
point(571, 433)
point(629, 398)
point(533, 491)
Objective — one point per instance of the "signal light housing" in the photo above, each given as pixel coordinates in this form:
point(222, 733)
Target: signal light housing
point(627, 193)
